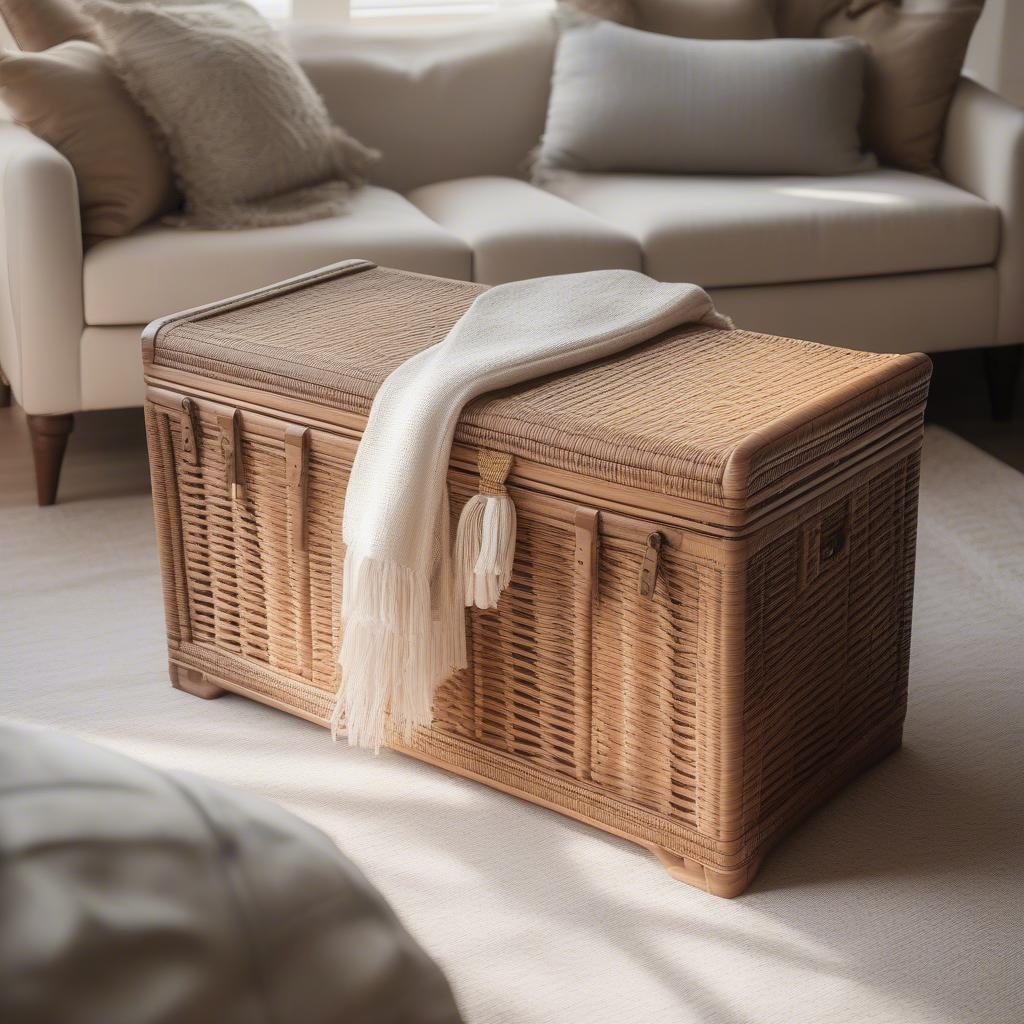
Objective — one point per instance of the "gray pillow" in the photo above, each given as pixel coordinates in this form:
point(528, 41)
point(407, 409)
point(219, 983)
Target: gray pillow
point(627, 100)
point(249, 137)
point(137, 896)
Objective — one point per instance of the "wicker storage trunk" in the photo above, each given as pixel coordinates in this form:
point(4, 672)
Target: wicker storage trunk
point(708, 628)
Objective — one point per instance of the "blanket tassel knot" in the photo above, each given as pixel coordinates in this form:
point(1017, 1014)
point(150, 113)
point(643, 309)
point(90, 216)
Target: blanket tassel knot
point(485, 543)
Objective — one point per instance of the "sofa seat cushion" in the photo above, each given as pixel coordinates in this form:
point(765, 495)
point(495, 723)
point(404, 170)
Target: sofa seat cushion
point(517, 230)
point(718, 231)
point(160, 270)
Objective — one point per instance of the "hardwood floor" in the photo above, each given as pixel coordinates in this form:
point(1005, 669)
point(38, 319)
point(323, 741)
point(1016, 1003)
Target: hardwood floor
point(959, 402)
point(106, 456)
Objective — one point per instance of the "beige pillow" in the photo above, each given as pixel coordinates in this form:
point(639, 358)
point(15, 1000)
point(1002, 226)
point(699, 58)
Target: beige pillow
point(70, 97)
point(249, 137)
point(707, 19)
point(803, 18)
point(916, 52)
point(698, 19)
point(39, 24)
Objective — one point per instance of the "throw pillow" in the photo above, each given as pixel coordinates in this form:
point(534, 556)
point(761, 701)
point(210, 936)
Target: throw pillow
point(803, 18)
point(39, 24)
point(626, 100)
point(250, 139)
point(707, 19)
point(916, 52)
point(70, 97)
point(697, 19)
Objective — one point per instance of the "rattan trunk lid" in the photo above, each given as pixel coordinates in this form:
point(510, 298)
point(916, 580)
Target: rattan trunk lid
point(729, 419)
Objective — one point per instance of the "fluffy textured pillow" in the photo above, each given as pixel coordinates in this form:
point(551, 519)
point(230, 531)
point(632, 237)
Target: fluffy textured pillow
point(916, 52)
point(39, 24)
point(626, 100)
point(70, 97)
point(250, 140)
point(133, 895)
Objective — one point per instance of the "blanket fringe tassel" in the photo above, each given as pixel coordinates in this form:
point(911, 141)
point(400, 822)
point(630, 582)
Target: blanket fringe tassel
point(396, 647)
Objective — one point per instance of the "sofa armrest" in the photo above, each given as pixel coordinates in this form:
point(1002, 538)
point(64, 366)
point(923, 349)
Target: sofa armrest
point(41, 318)
point(983, 152)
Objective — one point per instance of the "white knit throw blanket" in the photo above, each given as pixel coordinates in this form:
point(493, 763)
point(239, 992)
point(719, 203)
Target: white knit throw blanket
point(403, 601)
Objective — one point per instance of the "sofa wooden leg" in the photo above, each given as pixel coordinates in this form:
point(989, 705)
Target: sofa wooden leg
point(1003, 370)
point(5, 391)
point(190, 680)
point(49, 441)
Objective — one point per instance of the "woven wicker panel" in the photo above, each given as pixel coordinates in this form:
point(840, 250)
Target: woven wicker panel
point(245, 593)
point(523, 701)
point(645, 681)
point(827, 640)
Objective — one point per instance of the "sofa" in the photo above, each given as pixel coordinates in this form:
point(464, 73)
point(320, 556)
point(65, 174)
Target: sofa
point(883, 259)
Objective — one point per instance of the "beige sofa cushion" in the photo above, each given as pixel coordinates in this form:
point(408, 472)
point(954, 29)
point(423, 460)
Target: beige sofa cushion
point(249, 138)
point(70, 96)
point(916, 52)
point(438, 103)
point(627, 100)
point(720, 230)
point(123, 285)
point(517, 231)
point(934, 312)
point(39, 24)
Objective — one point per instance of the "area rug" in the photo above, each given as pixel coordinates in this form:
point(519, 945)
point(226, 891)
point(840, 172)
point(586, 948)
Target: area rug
point(903, 901)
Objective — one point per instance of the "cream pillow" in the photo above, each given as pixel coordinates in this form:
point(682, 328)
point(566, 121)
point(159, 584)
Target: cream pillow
point(249, 138)
point(70, 97)
point(626, 100)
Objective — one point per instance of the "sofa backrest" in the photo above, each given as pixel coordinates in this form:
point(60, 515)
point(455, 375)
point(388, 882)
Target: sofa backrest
point(437, 103)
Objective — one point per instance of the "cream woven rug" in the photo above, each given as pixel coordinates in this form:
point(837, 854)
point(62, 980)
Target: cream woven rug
point(901, 903)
